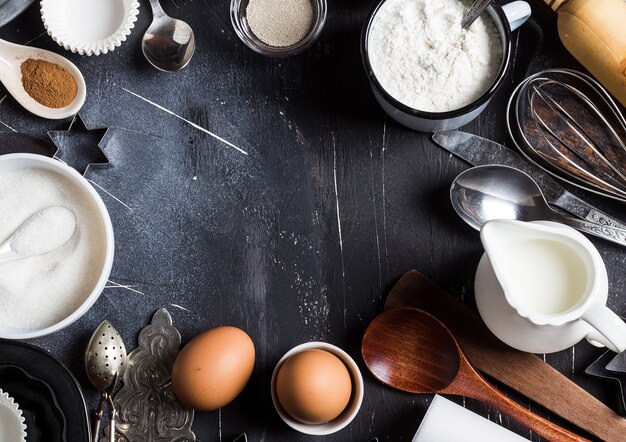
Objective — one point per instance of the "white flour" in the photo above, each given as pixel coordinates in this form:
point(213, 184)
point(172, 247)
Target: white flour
point(422, 58)
point(39, 291)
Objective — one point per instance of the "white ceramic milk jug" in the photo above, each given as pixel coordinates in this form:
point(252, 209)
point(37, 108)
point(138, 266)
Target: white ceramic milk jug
point(553, 288)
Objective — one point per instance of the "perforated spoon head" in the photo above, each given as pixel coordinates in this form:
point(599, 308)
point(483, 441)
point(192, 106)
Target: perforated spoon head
point(105, 357)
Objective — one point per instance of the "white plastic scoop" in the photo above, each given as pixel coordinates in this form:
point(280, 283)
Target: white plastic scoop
point(43, 232)
point(11, 57)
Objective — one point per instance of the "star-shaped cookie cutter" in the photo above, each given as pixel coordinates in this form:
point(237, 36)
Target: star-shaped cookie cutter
point(79, 146)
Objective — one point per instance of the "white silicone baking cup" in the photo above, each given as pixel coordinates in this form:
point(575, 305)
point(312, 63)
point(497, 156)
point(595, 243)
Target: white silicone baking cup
point(12, 425)
point(89, 27)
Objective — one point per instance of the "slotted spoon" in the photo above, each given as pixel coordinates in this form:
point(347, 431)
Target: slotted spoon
point(104, 362)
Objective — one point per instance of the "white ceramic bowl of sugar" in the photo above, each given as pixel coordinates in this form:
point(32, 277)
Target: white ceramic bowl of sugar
point(93, 225)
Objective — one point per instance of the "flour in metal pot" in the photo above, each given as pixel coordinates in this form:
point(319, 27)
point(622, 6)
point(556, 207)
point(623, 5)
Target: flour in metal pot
point(422, 57)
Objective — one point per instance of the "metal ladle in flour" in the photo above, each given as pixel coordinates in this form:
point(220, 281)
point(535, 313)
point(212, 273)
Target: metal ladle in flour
point(104, 362)
point(43, 232)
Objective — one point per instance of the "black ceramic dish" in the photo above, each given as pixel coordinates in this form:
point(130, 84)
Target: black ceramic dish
point(46, 392)
point(437, 121)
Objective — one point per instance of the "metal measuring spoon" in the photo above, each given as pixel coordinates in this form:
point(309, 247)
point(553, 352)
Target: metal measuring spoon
point(168, 44)
point(43, 232)
point(104, 362)
point(491, 192)
point(11, 57)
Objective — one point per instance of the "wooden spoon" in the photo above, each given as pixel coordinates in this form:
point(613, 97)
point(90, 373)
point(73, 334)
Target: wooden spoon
point(410, 350)
point(523, 372)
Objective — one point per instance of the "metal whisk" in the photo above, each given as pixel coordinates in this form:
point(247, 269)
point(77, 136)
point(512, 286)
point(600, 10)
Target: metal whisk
point(566, 123)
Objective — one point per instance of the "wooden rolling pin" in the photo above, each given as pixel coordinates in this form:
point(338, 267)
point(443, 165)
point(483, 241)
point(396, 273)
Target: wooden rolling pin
point(594, 31)
point(523, 372)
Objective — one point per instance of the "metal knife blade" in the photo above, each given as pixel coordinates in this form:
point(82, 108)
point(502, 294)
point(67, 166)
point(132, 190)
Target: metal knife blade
point(478, 151)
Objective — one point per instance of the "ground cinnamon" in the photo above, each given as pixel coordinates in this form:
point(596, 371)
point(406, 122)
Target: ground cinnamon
point(48, 83)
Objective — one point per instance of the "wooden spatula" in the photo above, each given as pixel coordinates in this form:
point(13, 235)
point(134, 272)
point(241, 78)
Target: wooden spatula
point(521, 371)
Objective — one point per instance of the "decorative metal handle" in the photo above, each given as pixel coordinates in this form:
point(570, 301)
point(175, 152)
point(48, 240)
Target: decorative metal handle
point(112, 416)
point(607, 232)
point(98, 416)
point(595, 216)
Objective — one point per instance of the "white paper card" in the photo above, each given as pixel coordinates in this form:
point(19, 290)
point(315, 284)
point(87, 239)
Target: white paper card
point(446, 421)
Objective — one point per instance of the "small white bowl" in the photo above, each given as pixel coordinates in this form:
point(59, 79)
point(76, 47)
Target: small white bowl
point(21, 161)
point(89, 27)
point(347, 415)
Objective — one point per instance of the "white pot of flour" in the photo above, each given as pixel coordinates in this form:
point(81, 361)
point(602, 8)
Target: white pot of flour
point(45, 293)
point(429, 74)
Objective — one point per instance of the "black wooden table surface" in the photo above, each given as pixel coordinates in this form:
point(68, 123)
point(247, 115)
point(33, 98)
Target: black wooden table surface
point(296, 221)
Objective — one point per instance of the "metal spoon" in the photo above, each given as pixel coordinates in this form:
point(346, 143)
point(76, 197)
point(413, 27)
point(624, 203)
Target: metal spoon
point(168, 44)
point(410, 350)
point(491, 192)
point(43, 232)
point(11, 57)
point(477, 8)
point(104, 362)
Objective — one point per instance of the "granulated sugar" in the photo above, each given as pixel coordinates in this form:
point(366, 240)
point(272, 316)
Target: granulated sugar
point(422, 57)
point(44, 231)
point(280, 23)
point(40, 291)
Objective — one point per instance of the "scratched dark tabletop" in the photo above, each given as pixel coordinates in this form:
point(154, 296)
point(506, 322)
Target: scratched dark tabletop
point(293, 226)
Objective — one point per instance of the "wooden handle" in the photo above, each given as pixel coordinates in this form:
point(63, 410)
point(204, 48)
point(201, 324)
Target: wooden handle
point(555, 4)
point(472, 384)
point(593, 31)
point(523, 372)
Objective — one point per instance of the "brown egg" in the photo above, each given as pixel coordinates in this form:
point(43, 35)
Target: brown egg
point(313, 386)
point(213, 368)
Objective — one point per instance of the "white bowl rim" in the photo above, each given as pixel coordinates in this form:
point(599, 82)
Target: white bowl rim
point(356, 398)
point(109, 240)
